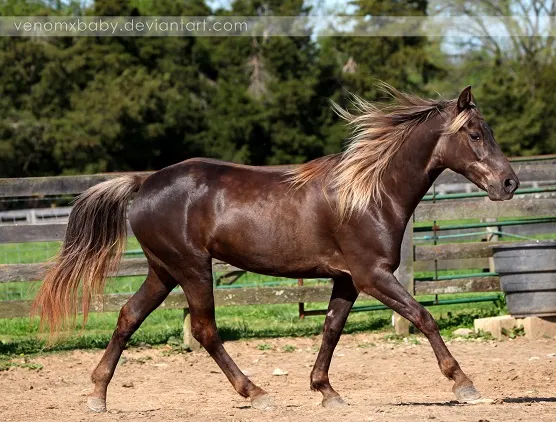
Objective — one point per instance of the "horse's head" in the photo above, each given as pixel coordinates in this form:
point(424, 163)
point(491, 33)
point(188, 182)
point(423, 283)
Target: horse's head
point(468, 147)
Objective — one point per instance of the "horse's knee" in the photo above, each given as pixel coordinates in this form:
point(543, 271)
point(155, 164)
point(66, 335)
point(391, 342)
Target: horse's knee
point(425, 322)
point(204, 333)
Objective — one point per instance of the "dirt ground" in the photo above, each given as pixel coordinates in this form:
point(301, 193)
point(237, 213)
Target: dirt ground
point(381, 380)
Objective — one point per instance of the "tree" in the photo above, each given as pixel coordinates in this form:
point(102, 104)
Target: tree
point(267, 108)
point(103, 104)
point(513, 77)
point(75, 105)
point(359, 63)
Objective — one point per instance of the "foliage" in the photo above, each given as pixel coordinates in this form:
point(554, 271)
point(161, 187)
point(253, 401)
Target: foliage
point(264, 346)
point(513, 77)
point(83, 105)
point(514, 332)
point(288, 348)
point(465, 319)
point(6, 365)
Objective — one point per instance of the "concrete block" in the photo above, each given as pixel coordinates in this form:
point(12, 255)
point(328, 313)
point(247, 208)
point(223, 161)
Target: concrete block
point(534, 327)
point(495, 325)
point(539, 327)
point(188, 339)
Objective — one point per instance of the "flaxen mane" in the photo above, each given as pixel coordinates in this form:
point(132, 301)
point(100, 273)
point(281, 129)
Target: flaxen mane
point(378, 132)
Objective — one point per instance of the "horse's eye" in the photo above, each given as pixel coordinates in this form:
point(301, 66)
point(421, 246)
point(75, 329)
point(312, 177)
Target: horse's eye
point(475, 137)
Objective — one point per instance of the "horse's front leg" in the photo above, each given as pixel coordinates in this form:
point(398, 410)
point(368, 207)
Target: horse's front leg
point(383, 285)
point(341, 301)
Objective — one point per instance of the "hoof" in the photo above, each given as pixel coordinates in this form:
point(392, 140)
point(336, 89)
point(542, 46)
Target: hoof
point(262, 402)
point(334, 403)
point(96, 404)
point(467, 394)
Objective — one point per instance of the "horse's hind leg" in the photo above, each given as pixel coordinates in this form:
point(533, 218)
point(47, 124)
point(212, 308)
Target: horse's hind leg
point(341, 301)
point(151, 294)
point(196, 282)
point(384, 286)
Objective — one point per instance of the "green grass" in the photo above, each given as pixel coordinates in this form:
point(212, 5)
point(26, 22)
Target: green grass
point(422, 274)
point(20, 335)
point(27, 253)
point(33, 252)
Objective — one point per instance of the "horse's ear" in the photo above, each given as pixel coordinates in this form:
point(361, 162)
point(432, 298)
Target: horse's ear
point(465, 99)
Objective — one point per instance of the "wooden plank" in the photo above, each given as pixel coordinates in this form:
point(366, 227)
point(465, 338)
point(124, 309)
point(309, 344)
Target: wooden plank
point(405, 276)
point(71, 185)
point(544, 159)
point(114, 302)
point(458, 250)
point(444, 210)
point(128, 267)
point(34, 272)
point(138, 266)
point(55, 185)
point(32, 233)
point(22, 272)
point(20, 233)
point(223, 267)
point(454, 251)
point(272, 295)
point(460, 285)
point(526, 172)
point(14, 308)
point(265, 295)
point(456, 210)
point(237, 297)
point(176, 300)
point(452, 264)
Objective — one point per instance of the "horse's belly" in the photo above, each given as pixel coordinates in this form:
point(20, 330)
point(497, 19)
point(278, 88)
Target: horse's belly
point(271, 257)
point(289, 270)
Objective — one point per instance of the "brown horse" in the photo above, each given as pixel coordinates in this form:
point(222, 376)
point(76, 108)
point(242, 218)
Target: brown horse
point(341, 216)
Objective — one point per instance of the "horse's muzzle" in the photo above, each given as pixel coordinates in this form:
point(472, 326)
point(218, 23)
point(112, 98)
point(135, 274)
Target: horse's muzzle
point(503, 190)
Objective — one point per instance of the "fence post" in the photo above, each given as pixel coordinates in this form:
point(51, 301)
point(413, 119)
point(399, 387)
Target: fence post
point(492, 236)
point(404, 273)
point(188, 339)
point(301, 304)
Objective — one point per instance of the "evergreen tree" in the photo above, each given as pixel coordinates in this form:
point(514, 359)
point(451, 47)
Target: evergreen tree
point(274, 80)
point(360, 62)
point(90, 104)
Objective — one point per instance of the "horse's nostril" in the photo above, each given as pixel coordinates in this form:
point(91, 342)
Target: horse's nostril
point(510, 185)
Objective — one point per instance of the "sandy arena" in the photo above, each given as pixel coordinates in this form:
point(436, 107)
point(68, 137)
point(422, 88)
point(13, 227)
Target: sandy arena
point(382, 381)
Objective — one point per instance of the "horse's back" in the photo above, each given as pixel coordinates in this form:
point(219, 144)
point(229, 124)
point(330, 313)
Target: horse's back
point(200, 184)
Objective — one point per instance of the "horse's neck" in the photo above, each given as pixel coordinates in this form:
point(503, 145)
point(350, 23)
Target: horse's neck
point(410, 175)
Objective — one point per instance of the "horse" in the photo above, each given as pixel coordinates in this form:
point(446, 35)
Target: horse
point(341, 216)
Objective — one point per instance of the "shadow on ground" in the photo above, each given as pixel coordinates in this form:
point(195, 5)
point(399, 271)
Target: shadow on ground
point(497, 401)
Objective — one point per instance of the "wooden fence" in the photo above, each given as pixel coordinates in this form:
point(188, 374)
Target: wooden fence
point(414, 257)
